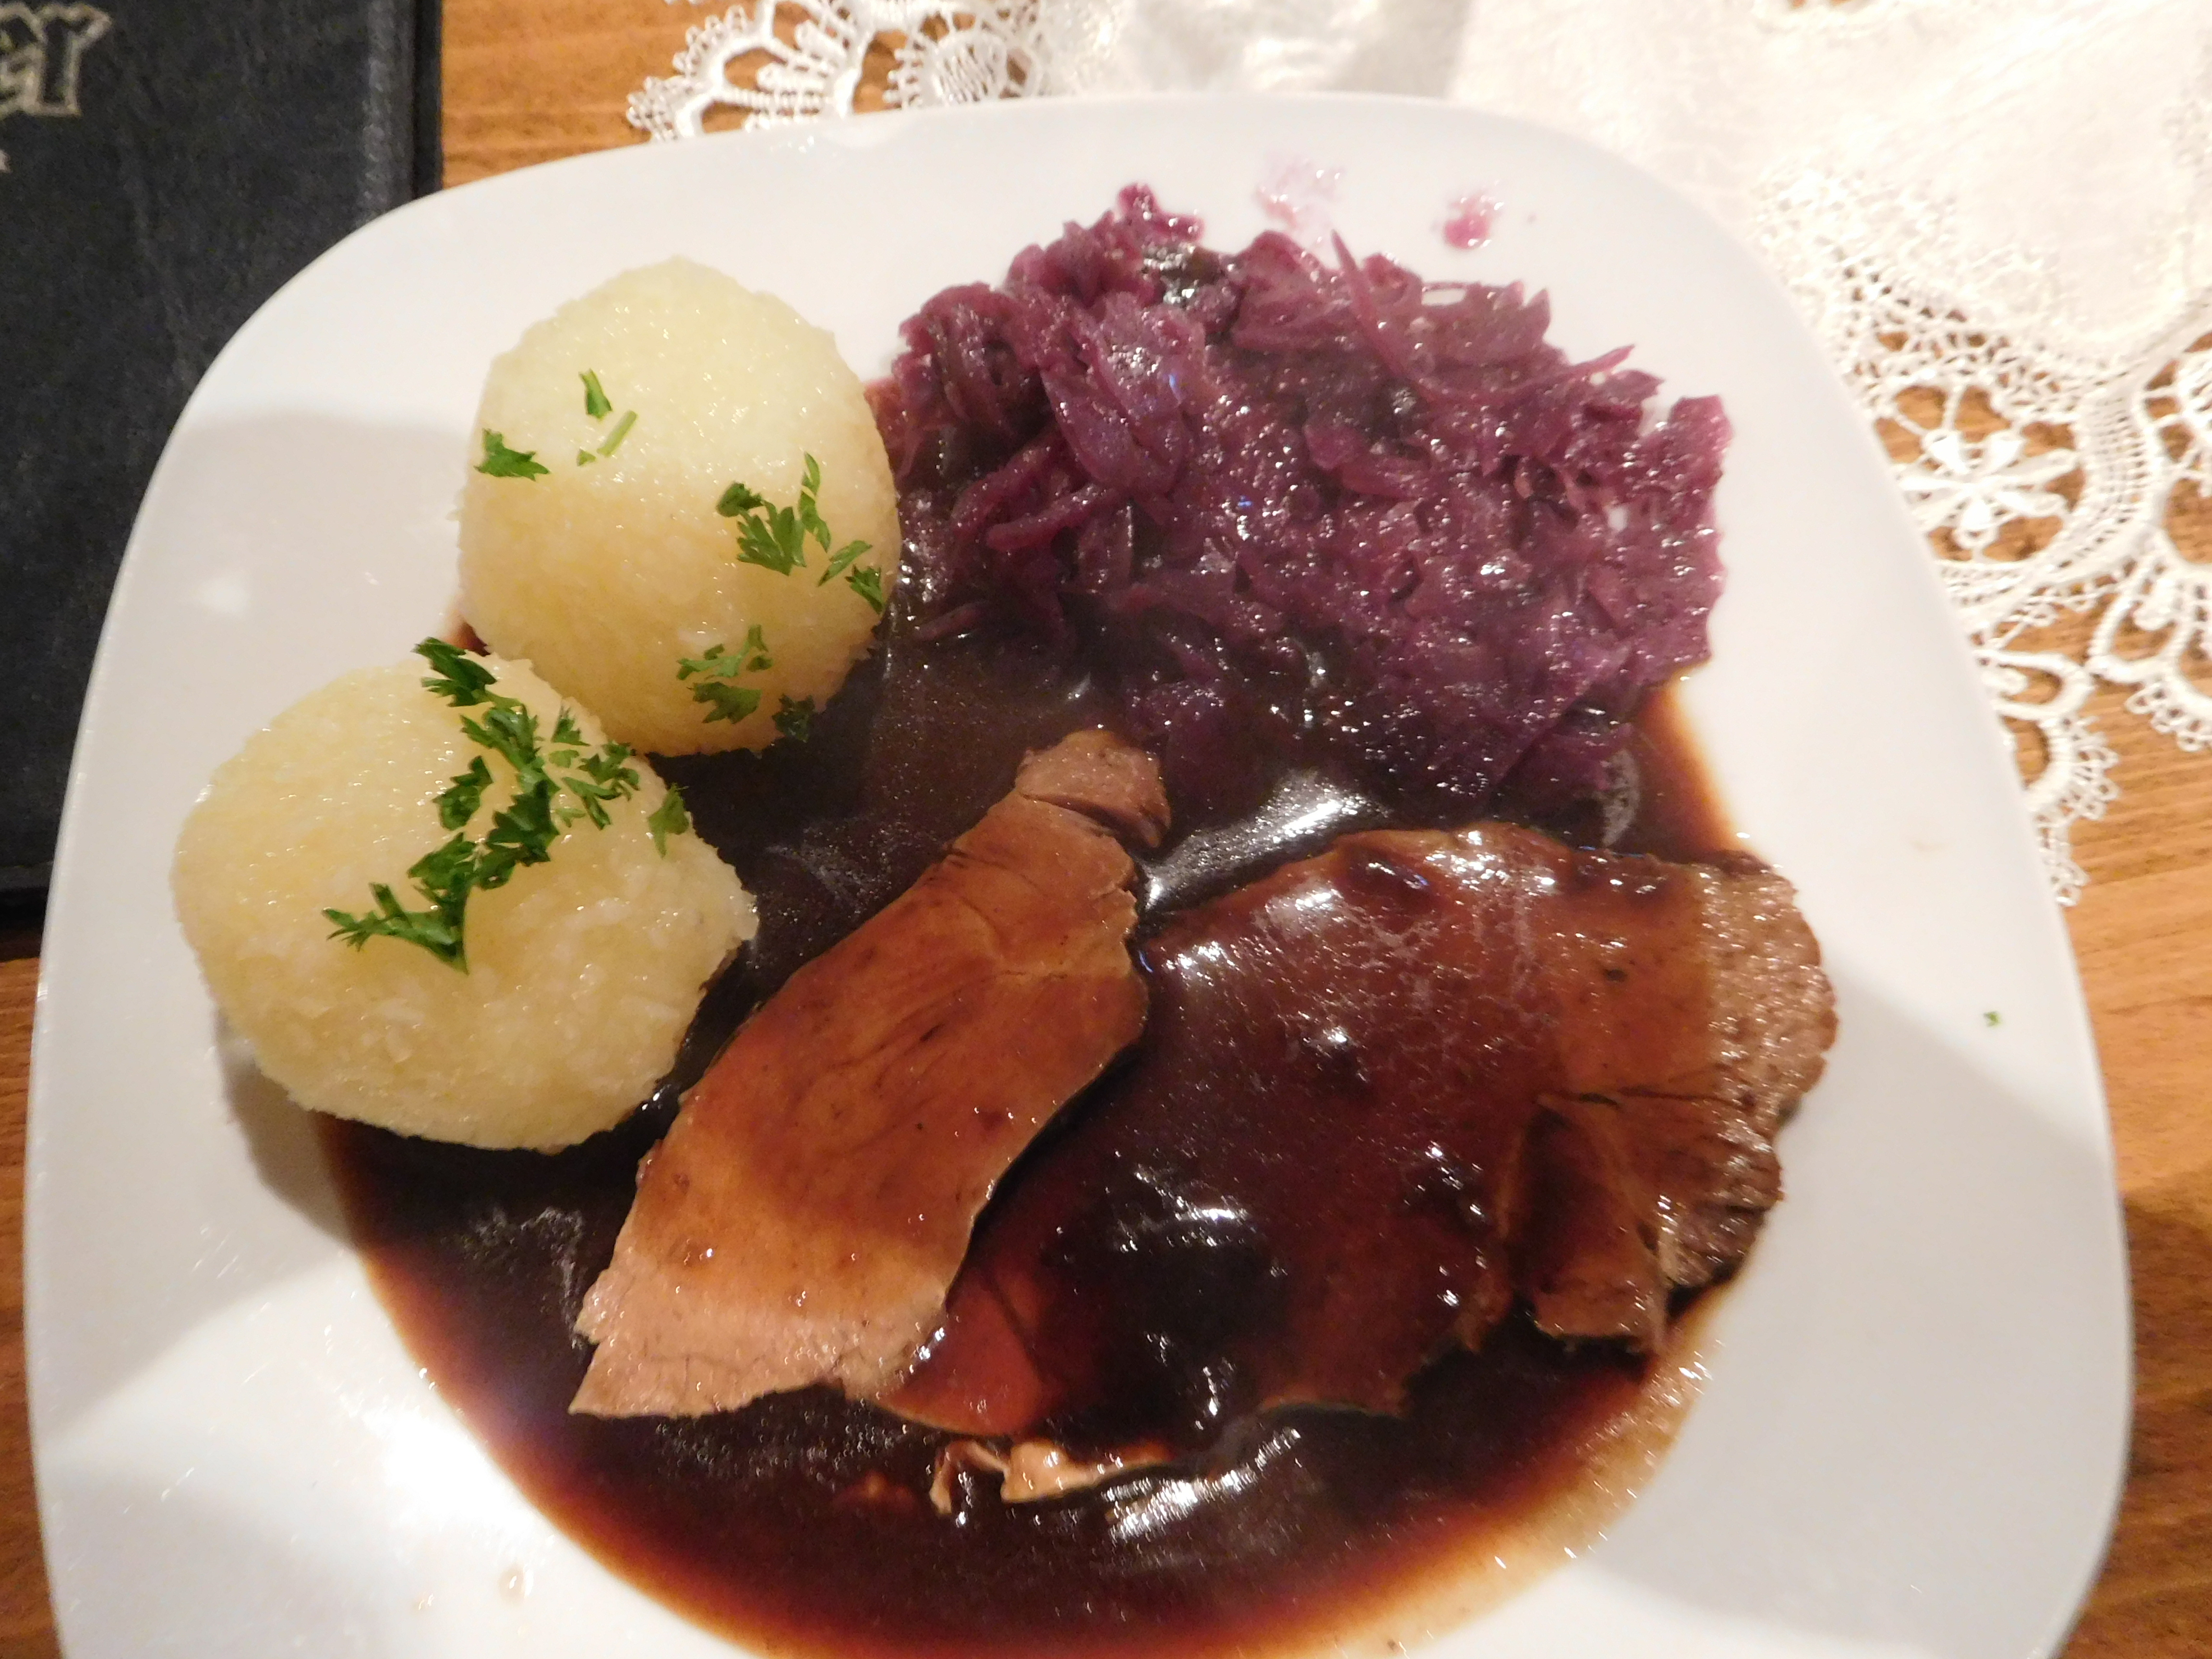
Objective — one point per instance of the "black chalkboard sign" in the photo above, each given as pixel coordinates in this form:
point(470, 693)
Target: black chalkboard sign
point(165, 164)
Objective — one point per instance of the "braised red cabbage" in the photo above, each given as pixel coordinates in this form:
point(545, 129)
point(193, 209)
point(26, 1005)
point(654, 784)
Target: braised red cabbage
point(1286, 500)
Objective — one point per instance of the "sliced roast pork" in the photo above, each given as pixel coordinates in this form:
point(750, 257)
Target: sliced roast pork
point(803, 1218)
point(1382, 1095)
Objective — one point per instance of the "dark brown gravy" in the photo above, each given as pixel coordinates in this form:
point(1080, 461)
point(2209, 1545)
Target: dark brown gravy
point(802, 1524)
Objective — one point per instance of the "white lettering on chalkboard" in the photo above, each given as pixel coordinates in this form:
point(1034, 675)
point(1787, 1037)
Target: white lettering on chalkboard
point(41, 49)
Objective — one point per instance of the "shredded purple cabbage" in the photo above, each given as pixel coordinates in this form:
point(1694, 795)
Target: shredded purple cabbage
point(1288, 501)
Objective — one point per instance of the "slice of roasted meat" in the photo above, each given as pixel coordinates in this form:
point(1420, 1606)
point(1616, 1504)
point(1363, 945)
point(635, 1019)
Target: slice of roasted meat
point(806, 1212)
point(1383, 1093)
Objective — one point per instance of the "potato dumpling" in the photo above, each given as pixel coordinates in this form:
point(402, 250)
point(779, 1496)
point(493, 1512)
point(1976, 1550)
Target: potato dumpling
point(612, 565)
point(582, 972)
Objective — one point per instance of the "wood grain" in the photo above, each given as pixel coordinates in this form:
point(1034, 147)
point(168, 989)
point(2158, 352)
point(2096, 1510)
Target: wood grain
point(2142, 935)
point(524, 84)
point(533, 84)
point(27, 1629)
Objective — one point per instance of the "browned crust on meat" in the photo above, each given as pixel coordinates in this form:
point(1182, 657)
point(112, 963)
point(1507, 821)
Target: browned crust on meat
point(1096, 773)
point(1674, 1170)
point(1434, 1073)
point(805, 1214)
point(1773, 1011)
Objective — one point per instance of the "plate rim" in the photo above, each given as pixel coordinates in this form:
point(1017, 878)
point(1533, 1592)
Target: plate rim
point(58, 982)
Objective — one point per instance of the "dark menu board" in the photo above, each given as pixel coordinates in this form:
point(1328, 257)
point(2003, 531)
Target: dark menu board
point(165, 164)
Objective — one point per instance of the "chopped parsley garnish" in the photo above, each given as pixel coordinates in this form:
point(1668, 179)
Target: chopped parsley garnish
point(605, 778)
point(726, 701)
point(622, 430)
point(714, 671)
point(771, 536)
point(595, 397)
point(795, 720)
point(459, 803)
point(737, 499)
point(841, 561)
point(1992, 1018)
point(585, 458)
point(809, 485)
point(720, 660)
point(509, 730)
point(775, 537)
point(462, 680)
point(441, 878)
point(669, 818)
point(501, 462)
point(868, 582)
point(523, 832)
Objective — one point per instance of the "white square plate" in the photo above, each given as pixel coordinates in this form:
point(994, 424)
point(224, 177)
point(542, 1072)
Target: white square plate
point(1911, 1439)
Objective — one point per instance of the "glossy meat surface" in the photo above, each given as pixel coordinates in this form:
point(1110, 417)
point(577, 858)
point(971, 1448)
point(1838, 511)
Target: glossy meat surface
point(1384, 1093)
point(810, 1206)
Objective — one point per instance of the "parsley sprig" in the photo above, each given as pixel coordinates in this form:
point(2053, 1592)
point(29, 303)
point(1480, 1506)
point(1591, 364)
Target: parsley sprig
point(718, 668)
point(727, 701)
point(775, 537)
point(622, 430)
point(669, 818)
point(501, 462)
point(596, 403)
point(598, 406)
point(553, 788)
point(795, 720)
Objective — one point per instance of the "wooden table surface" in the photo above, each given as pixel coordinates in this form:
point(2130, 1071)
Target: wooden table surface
point(529, 86)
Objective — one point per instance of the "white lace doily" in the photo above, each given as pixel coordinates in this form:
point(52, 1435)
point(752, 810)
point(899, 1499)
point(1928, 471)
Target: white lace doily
point(1997, 215)
point(802, 60)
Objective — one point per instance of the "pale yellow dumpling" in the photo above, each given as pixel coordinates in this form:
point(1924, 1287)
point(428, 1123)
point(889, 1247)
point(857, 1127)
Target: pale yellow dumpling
point(583, 972)
point(613, 565)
